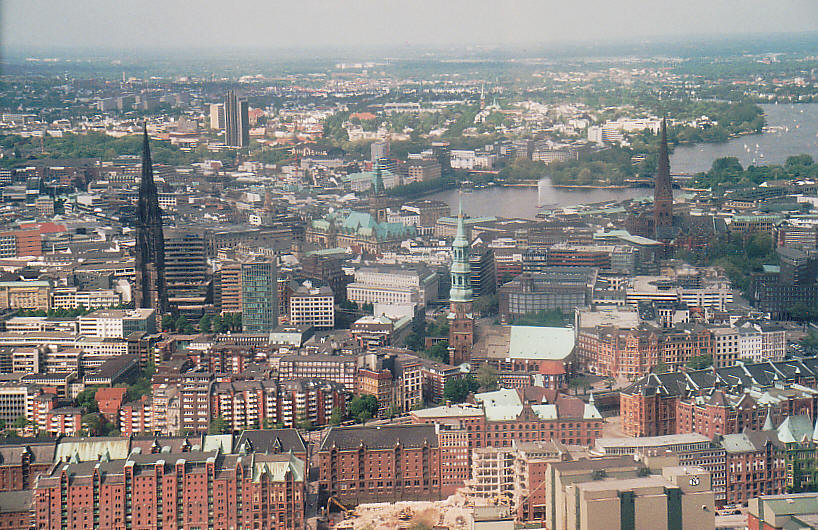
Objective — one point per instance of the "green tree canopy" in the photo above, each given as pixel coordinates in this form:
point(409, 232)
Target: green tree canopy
point(218, 425)
point(487, 377)
point(457, 390)
point(363, 407)
point(87, 399)
point(700, 362)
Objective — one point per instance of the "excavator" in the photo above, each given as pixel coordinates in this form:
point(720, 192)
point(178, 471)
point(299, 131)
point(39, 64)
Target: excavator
point(347, 512)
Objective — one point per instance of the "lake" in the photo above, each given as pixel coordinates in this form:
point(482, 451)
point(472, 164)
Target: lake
point(795, 132)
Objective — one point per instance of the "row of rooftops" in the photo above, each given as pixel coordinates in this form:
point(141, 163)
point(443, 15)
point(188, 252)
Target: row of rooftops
point(508, 405)
point(734, 379)
point(110, 471)
point(45, 450)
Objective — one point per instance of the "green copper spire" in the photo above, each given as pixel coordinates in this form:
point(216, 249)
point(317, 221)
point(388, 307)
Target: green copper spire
point(461, 269)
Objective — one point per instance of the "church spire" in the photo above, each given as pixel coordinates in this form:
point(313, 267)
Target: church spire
point(149, 288)
point(461, 269)
point(461, 320)
point(663, 191)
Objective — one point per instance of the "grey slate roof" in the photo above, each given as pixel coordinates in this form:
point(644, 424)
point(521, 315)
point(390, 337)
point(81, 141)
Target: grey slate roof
point(380, 437)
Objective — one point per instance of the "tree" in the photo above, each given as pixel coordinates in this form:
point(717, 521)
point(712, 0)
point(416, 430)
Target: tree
point(457, 390)
point(363, 407)
point(660, 368)
point(87, 399)
point(218, 324)
point(233, 321)
point(168, 323)
point(392, 411)
point(488, 304)
point(700, 362)
point(487, 377)
point(20, 422)
point(182, 325)
point(205, 323)
point(801, 312)
point(218, 426)
point(414, 342)
point(93, 423)
point(580, 383)
point(439, 351)
point(336, 417)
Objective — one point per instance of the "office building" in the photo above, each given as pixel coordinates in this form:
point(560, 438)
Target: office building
point(186, 272)
point(217, 116)
point(117, 323)
point(236, 121)
point(378, 149)
point(621, 494)
point(259, 296)
point(312, 306)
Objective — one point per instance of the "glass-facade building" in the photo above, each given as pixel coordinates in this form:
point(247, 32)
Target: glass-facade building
point(259, 297)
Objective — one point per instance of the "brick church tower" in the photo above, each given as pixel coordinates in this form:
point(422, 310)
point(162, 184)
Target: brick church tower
point(461, 319)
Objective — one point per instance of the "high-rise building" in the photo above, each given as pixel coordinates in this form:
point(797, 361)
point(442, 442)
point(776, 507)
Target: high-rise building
point(236, 121)
point(149, 288)
point(186, 272)
point(227, 291)
point(663, 192)
point(259, 296)
point(217, 116)
point(461, 320)
point(379, 149)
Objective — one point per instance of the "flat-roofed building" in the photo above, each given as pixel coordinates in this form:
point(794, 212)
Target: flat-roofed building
point(34, 294)
point(117, 323)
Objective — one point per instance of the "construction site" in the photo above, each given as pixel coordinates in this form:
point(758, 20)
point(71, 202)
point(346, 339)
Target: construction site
point(452, 513)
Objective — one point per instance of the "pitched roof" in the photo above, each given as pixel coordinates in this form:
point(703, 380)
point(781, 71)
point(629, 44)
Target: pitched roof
point(380, 437)
point(271, 441)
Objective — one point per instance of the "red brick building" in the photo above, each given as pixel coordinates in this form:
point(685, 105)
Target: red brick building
point(384, 463)
point(16, 510)
point(110, 400)
point(64, 421)
point(722, 401)
point(22, 460)
point(496, 419)
point(249, 404)
point(632, 353)
point(181, 490)
point(135, 417)
point(755, 465)
point(719, 413)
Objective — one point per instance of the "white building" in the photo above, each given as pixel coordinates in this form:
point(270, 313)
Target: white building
point(312, 306)
point(470, 159)
point(393, 285)
point(71, 298)
point(725, 347)
point(750, 344)
point(117, 323)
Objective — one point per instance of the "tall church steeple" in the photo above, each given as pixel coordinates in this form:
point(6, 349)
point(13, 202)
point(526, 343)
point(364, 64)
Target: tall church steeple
point(461, 320)
point(149, 288)
point(663, 192)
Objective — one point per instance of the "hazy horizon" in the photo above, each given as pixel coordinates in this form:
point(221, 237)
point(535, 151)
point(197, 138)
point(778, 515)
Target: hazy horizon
point(106, 27)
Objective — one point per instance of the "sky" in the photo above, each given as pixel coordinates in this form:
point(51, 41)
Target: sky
point(120, 25)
